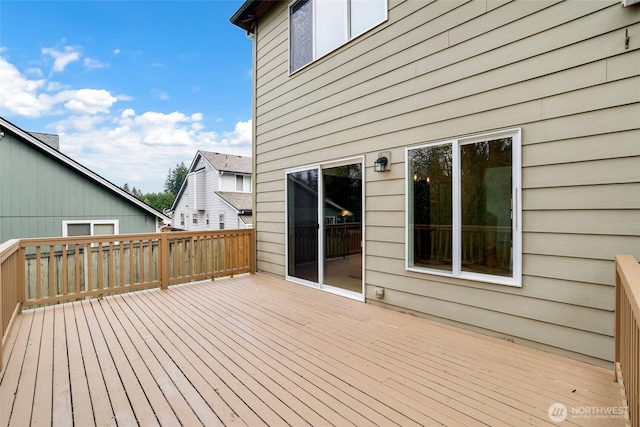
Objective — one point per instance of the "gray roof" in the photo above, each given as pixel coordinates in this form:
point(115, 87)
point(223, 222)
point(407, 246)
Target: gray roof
point(241, 201)
point(228, 162)
point(50, 139)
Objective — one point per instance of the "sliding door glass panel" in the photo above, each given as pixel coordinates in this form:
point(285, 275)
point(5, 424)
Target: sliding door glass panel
point(342, 191)
point(302, 224)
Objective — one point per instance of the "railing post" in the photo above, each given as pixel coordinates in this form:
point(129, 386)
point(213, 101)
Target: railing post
point(253, 247)
point(22, 282)
point(164, 259)
point(618, 323)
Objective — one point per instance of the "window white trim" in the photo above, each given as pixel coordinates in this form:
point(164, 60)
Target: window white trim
point(348, 28)
point(516, 197)
point(92, 224)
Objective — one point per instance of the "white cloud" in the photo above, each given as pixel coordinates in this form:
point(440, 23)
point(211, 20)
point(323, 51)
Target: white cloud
point(159, 94)
point(87, 101)
point(36, 72)
point(93, 64)
point(140, 148)
point(239, 137)
point(19, 95)
point(116, 52)
point(64, 58)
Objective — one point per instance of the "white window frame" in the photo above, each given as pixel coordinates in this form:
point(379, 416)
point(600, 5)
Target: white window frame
point(246, 183)
point(194, 218)
point(92, 224)
point(182, 219)
point(221, 220)
point(206, 218)
point(516, 191)
point(349, 36)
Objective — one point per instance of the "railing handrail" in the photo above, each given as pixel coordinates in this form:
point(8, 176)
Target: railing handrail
point(72, 267)
point(41, 241)
point(627, 331)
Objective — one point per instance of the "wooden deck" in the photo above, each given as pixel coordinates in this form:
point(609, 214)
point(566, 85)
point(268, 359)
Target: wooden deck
point(255, 350)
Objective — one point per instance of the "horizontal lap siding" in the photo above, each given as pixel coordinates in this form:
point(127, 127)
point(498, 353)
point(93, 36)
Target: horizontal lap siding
point(436, 70)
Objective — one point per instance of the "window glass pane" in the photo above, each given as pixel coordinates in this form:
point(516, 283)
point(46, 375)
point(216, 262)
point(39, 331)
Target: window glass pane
point(487, 232)
point(301, 38)
point(79, 229)
point(239, 182)
point(430, 207)
point(366, 14)
point(103, 229)
point(331, 25)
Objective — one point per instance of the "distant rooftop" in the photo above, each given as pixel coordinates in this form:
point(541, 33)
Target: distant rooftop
point(228, 162)
point(50, 139)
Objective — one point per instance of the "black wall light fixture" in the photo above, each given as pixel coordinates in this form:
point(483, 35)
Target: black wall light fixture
point(382, 163)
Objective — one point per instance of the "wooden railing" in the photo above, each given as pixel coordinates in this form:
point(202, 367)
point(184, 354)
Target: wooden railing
point(627, 333)
point(37, 272)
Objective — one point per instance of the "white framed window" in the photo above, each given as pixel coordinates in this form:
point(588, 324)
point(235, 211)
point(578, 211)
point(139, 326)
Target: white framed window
point(316, 27)
point(89, 228)
point(463, 208)
point(206, 218)
point(182, 219)
point(195, 218)
point(243, 183)
point(221, 220)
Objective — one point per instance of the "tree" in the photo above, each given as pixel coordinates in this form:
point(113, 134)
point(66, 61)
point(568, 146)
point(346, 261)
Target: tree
point(175, 178)
point(133, 191)
point(159, 201)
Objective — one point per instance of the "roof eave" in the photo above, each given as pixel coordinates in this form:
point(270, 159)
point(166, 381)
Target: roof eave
point(250, 10)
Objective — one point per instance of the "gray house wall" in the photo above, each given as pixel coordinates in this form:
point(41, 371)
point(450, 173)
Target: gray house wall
point(435, 70)
point(38, 193)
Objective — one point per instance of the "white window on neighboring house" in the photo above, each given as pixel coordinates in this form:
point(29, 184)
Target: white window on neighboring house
point(221, 220)
point(206, 218)
point(464, 208)
point(182, 219)
point(316, 27)
point(195, 218)
point(89, 228)
point(243, 183)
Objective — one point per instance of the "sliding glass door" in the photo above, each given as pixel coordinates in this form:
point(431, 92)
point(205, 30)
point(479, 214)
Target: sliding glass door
point(324, 227)
point(302, 225)
point(342, 235)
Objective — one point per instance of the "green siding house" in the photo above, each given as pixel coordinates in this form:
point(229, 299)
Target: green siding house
point(44, 193)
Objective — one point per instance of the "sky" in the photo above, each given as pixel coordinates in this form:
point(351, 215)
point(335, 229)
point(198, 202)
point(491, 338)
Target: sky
point(132, 88)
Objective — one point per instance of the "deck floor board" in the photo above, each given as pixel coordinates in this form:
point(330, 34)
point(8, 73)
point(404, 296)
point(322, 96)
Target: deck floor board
point(255, 350)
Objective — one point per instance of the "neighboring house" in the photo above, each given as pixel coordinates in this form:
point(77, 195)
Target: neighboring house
point(44, 193)
point(215, 195)
point(510, 136)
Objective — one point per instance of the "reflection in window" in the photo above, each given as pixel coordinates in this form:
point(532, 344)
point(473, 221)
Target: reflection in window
point(316, 27)
point(460, 214)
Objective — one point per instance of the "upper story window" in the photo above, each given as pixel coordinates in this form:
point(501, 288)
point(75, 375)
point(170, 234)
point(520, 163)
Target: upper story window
point(464, 208)
point(316, 27)
point(243, 183)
